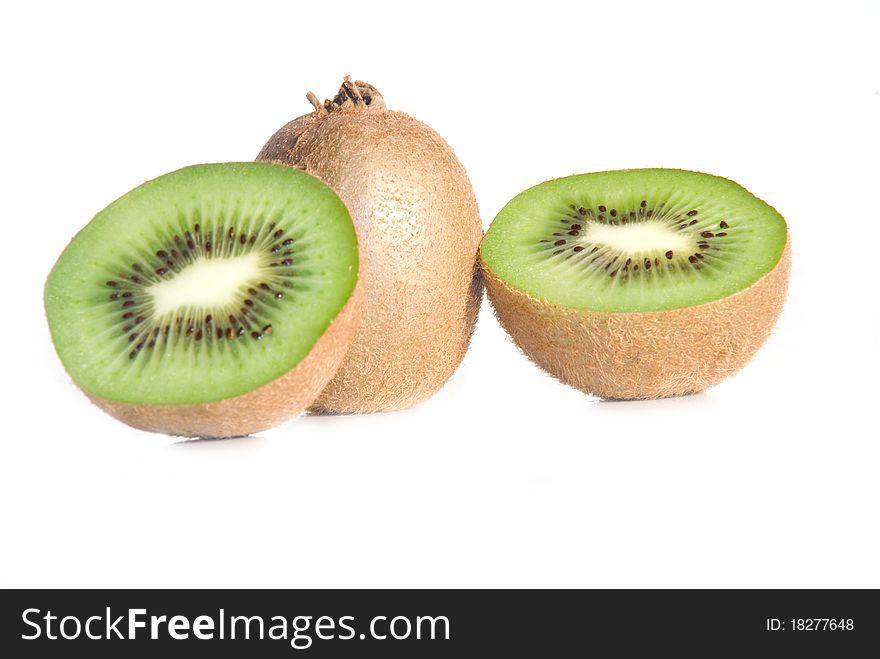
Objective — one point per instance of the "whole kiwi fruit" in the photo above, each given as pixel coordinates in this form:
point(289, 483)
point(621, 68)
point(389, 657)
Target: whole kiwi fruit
point(419, 231)
point(638, 283)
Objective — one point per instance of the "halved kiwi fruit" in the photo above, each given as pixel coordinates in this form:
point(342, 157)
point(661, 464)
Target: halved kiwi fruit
point(216, 300)
point(638, 283)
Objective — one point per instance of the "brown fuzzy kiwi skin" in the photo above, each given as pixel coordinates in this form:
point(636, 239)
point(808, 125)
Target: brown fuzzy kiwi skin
point(419, 230)
point(269, 405)
point(647, 354)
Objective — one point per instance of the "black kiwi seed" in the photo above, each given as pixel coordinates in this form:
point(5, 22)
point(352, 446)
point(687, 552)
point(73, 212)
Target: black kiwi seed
point(691, 213)
point(724, 225)
point(669, 254)
point(559, 243)
point(644, 204)
point(721, 234)
point(602, 209)
point(582, 210)
point(578, 248)
point(707, 234)
point(692, 259)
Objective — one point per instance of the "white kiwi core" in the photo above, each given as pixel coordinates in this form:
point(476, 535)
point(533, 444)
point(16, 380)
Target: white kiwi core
point(639, 238)
point(205, 284)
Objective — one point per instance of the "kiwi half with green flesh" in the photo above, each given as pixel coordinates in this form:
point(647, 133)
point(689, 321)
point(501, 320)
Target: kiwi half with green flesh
point(217, 300)
point(637, 283)
point(416, 215)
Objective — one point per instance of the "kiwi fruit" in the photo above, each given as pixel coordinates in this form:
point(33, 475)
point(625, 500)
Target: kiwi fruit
point(419, 229)
point(216, 301)
point(640, 283)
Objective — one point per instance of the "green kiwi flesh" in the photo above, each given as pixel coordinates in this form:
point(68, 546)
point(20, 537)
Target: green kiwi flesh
point(201, 285)
point(634, 241)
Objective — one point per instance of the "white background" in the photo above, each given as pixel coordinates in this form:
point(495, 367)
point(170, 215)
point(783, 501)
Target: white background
point(505, 477)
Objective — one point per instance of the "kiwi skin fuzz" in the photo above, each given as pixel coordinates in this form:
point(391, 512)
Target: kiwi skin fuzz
point(269, 405)
point(646, 354)
point(419, 230)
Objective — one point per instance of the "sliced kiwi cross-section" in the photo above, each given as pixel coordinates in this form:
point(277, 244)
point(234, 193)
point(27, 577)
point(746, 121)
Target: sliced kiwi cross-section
point(205, 302)
point(638, 283)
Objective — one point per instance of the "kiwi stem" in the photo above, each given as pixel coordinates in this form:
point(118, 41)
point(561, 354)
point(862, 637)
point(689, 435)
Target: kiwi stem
point(357, 94)
point(314, 101)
